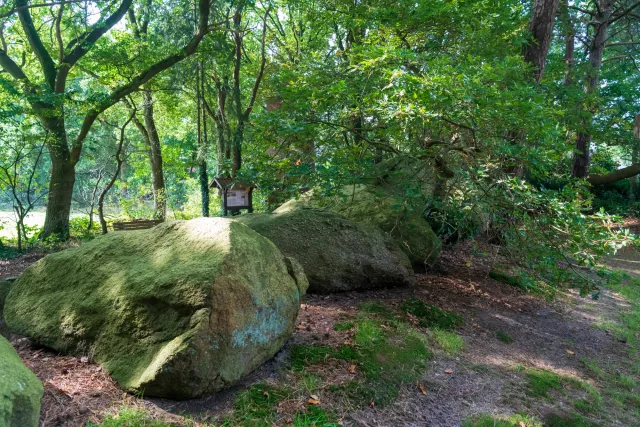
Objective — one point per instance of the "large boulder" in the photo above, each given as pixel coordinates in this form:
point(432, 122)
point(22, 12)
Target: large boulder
point(20, 390)
point(5, 286)
point(181, 310)
point(400, 217)
point(337, 254)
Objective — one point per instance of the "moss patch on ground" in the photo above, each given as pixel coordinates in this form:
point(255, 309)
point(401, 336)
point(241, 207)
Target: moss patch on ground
point(430, 316)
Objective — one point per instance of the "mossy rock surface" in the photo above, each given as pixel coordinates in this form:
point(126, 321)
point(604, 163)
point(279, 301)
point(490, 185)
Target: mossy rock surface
point(337, 254)
point(20, 390)
point(382, 206)
point(181, 310)
point(5, 286)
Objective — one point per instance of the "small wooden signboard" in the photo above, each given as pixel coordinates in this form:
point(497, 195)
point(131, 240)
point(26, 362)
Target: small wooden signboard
point(236, 195)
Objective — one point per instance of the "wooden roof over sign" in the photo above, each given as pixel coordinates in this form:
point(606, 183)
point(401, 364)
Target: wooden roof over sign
point(229, 183)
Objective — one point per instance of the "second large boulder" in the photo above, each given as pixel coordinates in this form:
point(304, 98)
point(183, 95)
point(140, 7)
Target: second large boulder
point(180, 310)
point(337, 254)
point(20, 390)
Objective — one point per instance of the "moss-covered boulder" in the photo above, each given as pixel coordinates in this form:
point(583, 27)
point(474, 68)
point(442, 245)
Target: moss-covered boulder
point(337, 254)
point(20, 390)
point(180, 310)
point(400, 217)
point(5, 286)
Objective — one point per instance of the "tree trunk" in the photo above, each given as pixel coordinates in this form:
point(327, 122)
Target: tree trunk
point(541, 28)
point(63, 177)
point(581, 158)
point(155, 158)
point(569, 42)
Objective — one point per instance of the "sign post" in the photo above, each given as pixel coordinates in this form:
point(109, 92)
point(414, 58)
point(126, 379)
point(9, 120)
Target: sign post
point(236, 195)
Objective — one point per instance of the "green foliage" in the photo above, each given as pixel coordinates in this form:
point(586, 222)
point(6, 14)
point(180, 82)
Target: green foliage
point(486, 420)
point(431, 316)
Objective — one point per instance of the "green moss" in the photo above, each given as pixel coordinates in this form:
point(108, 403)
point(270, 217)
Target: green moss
point(504, 337)
point(5, 287)
point(179, 310)
point(431, 316)
point(20, 390)
point(487, 420)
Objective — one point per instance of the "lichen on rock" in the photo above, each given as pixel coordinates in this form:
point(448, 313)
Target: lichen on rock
point(181, 310)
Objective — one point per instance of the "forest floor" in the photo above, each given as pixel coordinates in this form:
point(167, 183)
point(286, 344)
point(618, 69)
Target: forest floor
point(459, 348)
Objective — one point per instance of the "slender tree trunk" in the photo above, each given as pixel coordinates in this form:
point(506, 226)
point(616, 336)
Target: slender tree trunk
point(581, 157)
point(204, 178)
point(635, 156)
point(155, 158)
point(569, 35)
point(119, 162)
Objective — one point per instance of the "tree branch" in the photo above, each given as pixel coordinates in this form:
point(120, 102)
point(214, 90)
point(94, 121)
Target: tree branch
point(256, 85)
point(48, 67)
point(119, 93)
point(84, 44)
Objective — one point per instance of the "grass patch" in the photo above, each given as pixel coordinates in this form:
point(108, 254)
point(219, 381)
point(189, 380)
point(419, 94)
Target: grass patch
point(504, 337)
point(450, 342)
point(430, 316)
point(257, 406)
point(130, 417)
point(343, 326)
point(315, 416)
point(387, 354)
point(486, 420)
point(572, 420)
point(376, 307)
point(541, 381)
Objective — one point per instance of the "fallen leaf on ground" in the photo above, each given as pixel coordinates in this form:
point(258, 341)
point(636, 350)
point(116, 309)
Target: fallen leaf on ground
point(422, 389)
point(313, 402)
point(372, 405)
point(352, 369)
point(448, 372)
point(569, 351)
point(266, 394)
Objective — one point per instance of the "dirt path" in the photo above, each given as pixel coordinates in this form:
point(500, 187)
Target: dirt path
point(488, 376)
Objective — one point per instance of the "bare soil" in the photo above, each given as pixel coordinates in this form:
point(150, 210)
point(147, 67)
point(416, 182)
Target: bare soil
point(486, 377)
